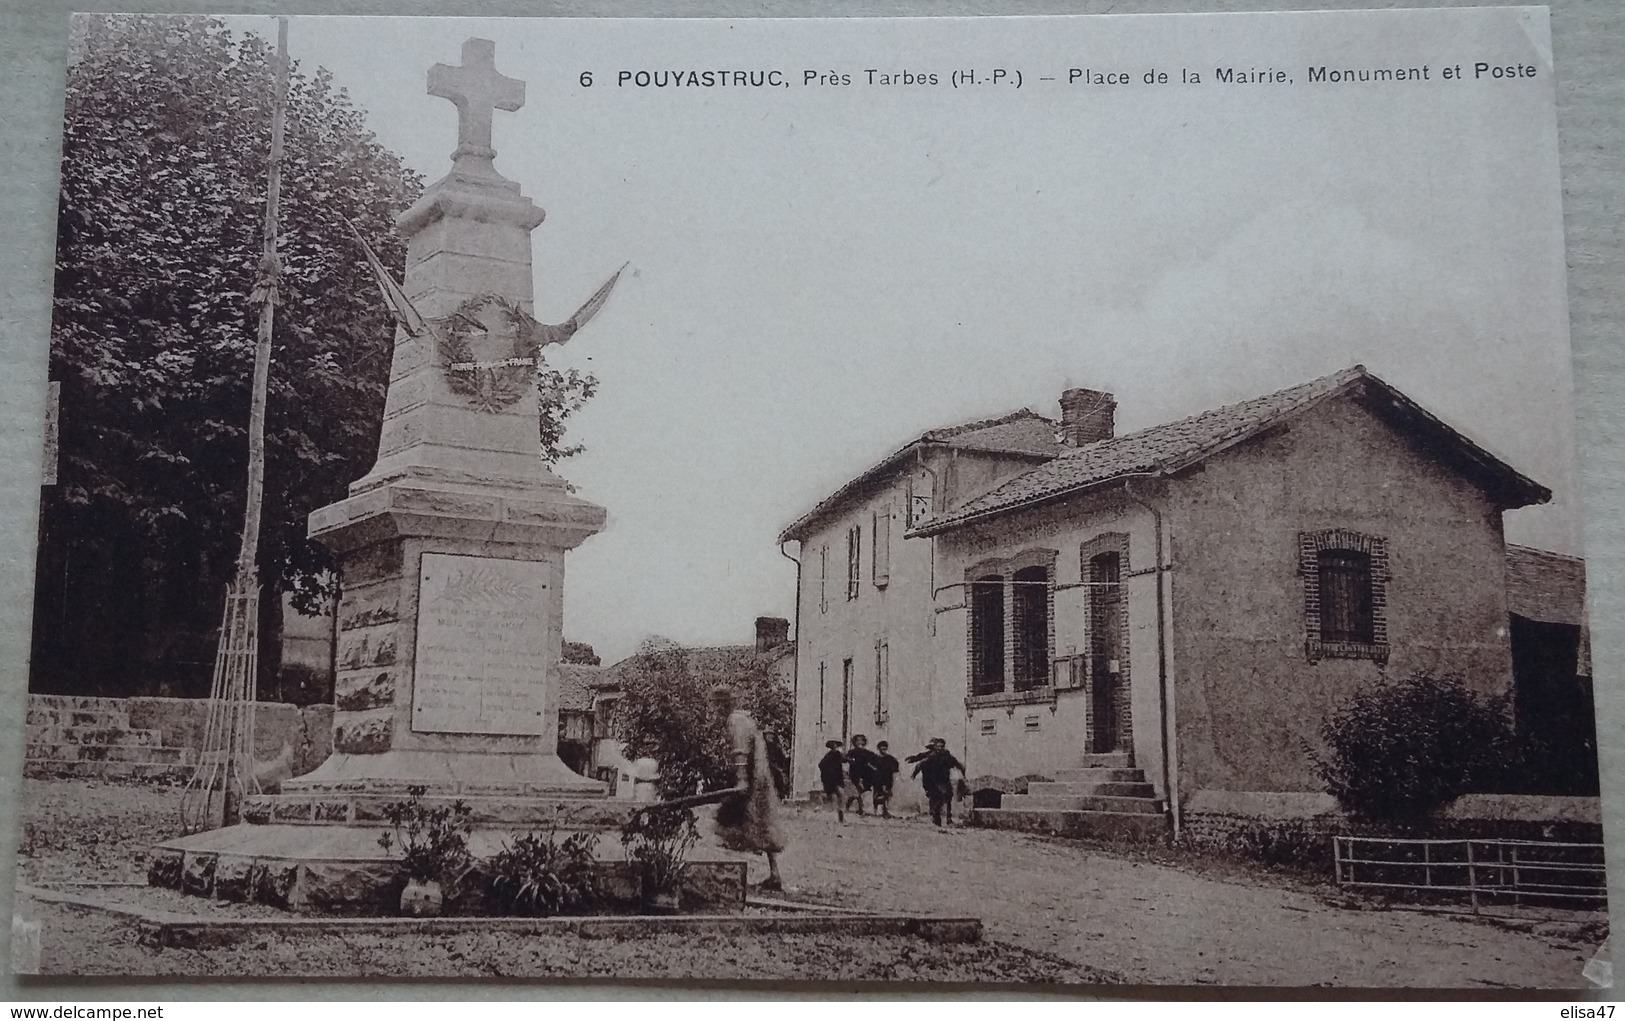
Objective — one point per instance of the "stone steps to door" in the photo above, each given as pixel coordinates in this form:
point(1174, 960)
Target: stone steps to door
point(1108, 760)
point(1100, 774)
point(1109, 788)
point(1135, 827)
point(1084, 803)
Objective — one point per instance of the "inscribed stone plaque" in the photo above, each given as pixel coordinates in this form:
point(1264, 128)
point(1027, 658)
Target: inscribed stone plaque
point(481, 665)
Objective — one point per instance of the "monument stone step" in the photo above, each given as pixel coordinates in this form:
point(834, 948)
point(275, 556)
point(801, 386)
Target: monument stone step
point(369, 809)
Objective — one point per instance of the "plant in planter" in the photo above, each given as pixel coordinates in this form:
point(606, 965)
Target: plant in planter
point(541, 875)
point(657, 846)
point(433, 841)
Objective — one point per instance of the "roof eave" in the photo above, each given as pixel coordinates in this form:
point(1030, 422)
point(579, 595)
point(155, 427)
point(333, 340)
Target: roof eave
point(931, 528)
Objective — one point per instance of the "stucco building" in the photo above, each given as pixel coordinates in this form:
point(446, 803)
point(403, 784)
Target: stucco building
point(1144, 616)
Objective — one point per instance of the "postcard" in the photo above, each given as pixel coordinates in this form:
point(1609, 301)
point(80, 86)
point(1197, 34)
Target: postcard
point(1041, 500)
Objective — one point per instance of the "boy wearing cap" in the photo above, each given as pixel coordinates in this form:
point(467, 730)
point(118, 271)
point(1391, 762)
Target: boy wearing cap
point(885, 768)
point(832, 772)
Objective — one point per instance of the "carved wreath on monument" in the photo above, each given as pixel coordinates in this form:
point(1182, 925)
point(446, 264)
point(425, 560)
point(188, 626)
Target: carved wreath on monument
point(489, 345)
point(488, 350)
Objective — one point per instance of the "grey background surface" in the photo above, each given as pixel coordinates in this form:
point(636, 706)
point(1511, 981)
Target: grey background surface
point(1589, 48)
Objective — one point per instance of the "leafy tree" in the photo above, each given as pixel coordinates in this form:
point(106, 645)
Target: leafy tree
point(1396, 752)
point(166, 139)
point(665, 713)
point(580, 653)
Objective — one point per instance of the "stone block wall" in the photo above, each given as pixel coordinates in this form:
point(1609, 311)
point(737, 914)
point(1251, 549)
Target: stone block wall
point(296, 738)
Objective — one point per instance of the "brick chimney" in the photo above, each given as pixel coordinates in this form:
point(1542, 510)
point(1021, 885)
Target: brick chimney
point(771, 632)
point(1087, 416)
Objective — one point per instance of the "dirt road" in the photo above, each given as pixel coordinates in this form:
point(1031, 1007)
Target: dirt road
point(1156, 924)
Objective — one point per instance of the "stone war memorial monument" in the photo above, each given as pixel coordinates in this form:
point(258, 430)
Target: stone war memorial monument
point(452, 552)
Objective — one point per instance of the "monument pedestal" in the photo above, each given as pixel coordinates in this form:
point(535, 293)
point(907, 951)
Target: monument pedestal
point(449, 637)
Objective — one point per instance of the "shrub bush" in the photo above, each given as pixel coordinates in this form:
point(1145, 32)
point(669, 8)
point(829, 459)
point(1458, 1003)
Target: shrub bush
point(541, 875)
point(433, 839)
point(657, 846)
point(1396, 752)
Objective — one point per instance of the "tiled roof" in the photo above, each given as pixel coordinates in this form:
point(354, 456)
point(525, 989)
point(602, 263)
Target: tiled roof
point(1024, 434)
point(1169, 447)
point(576, 681)
point(708, 663)
point(1542, 585)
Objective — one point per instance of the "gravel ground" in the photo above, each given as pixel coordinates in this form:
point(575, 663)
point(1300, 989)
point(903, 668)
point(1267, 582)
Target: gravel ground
point(1055, 911)
point(1161, 918)
point(93, 831)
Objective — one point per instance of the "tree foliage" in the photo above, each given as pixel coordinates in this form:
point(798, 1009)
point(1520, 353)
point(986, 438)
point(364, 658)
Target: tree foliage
point(665, 713)
point(1396, 752)
point(165, 149)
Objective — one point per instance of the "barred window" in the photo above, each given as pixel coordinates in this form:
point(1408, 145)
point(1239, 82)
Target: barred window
point(1030, 610)
point(1345, 596)
point(987, 635)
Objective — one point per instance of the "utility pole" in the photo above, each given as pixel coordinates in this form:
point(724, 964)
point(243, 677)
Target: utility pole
point(224, 772)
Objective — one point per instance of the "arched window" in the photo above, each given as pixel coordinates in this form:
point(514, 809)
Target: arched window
point(1345, 594)
point(1030, 613)
point(987, 635)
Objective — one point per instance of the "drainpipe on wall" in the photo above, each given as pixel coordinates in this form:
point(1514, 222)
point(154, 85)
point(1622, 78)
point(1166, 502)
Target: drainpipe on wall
point(795, 663)
point(936, 484)
point(1170, 781)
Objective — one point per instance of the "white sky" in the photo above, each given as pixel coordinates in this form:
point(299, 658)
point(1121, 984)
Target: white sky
point(820, 274)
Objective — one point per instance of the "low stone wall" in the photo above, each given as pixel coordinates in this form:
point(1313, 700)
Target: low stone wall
point(289, 740)
point(302, 733)
point(1295, 828)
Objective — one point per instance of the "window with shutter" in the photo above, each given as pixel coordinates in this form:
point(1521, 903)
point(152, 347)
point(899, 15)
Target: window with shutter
point(823, 579)
point(881, 530)
point(854, 560)
point(882, 678)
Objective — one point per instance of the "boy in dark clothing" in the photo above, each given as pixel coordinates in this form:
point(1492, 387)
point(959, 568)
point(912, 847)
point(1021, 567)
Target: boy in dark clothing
point(860, 769)
point(886, 768)
point(935, 771)
point(778, 761)
point(832, 773)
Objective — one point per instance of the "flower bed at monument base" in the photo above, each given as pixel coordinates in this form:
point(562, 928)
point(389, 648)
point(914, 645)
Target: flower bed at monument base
point(340, 871)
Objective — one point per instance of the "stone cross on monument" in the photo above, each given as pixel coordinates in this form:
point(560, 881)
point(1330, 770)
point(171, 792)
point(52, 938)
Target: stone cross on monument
point(452, 546)
point(477, 88)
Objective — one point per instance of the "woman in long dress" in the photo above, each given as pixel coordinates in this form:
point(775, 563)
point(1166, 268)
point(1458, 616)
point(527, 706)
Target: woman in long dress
point(749, 821)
